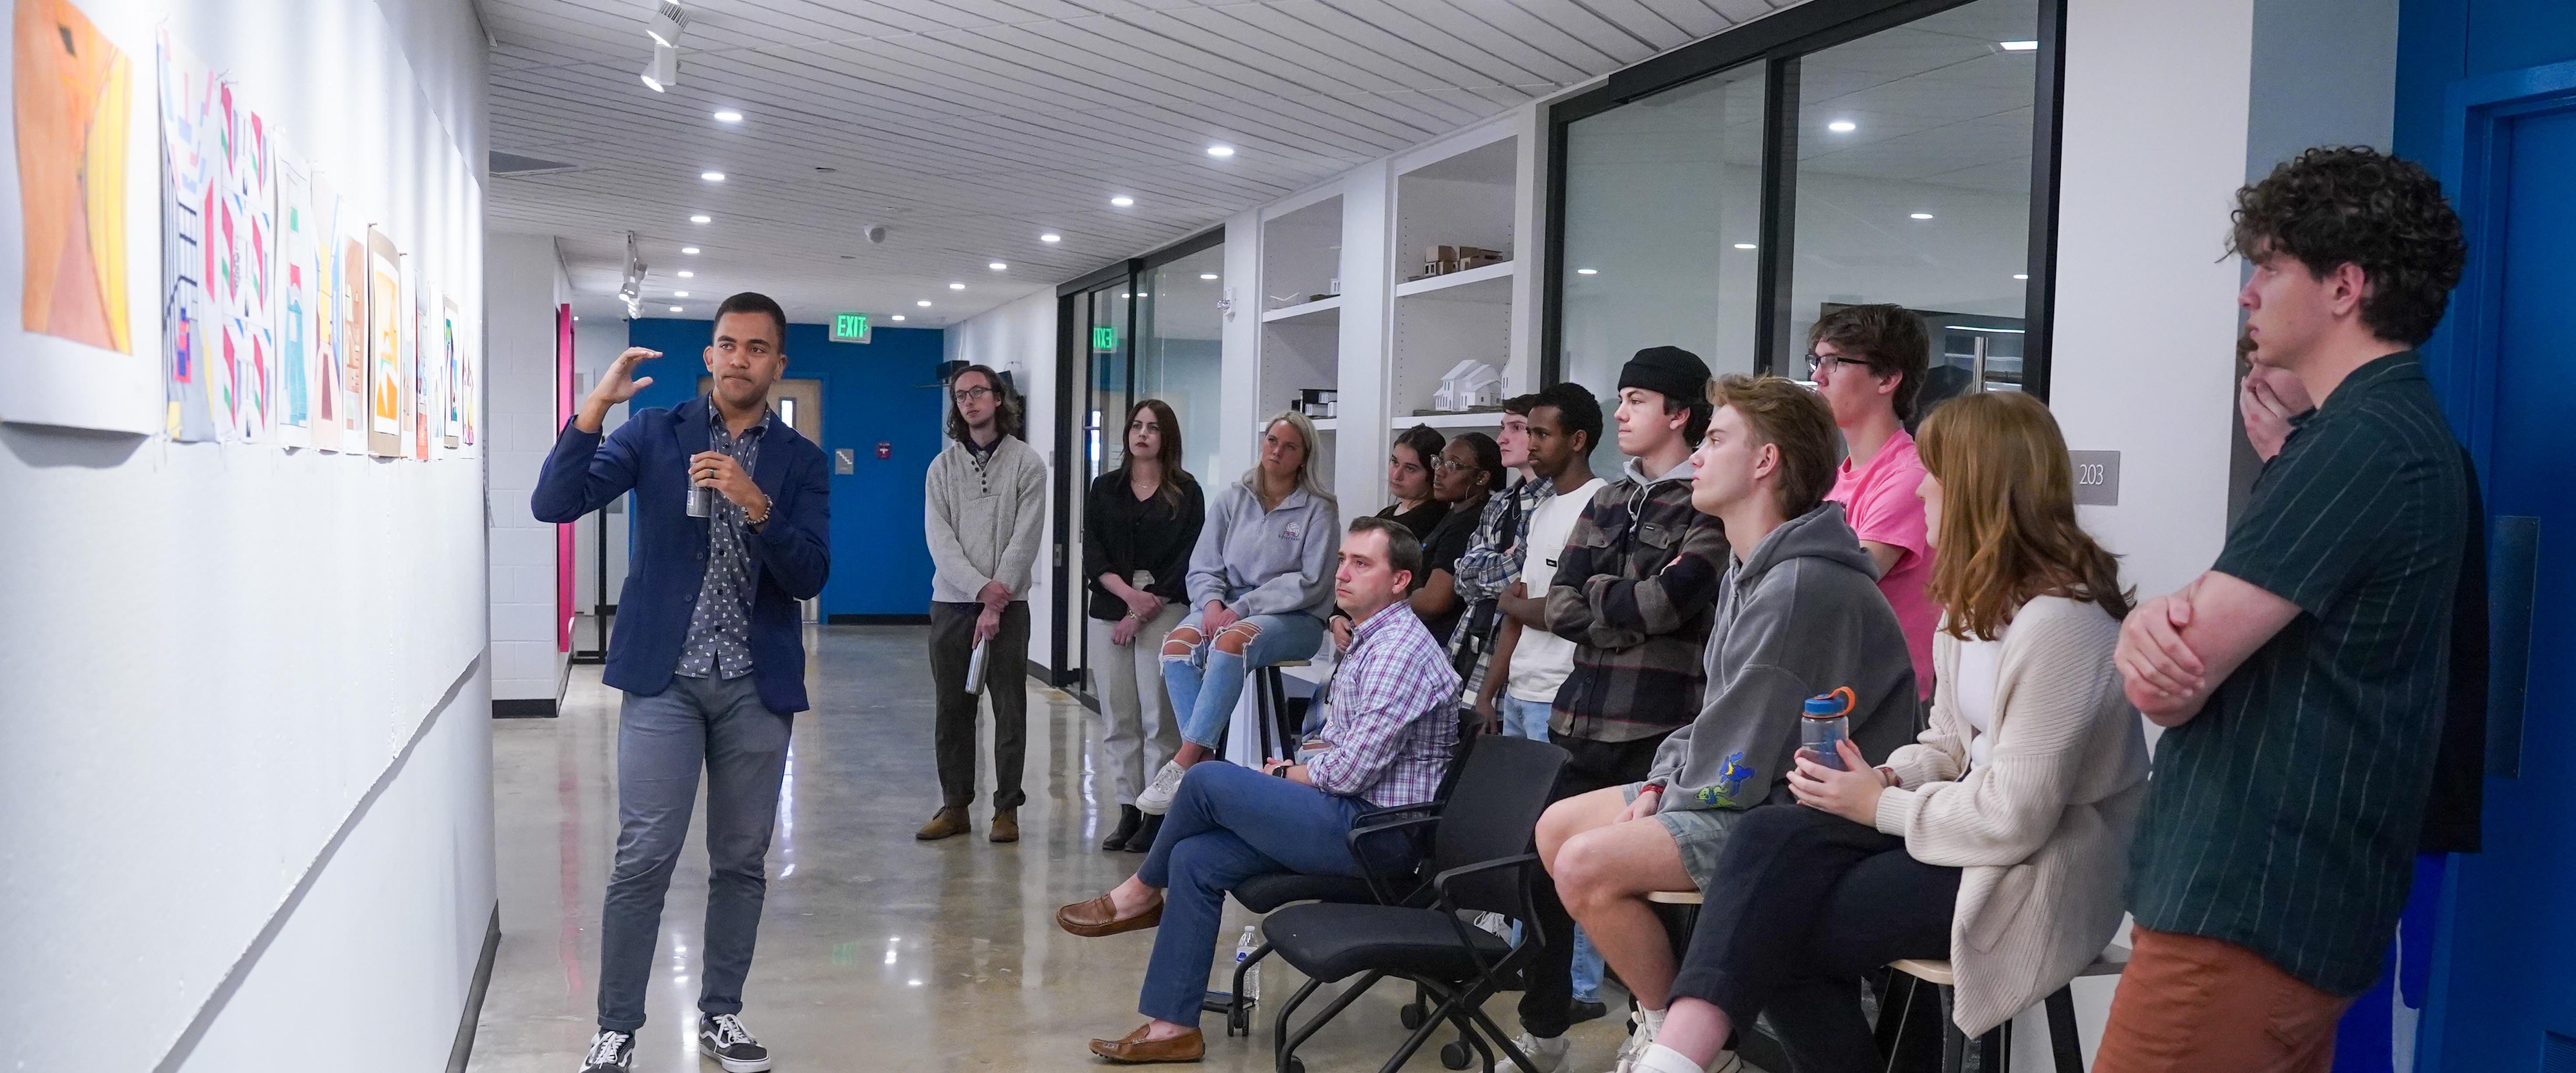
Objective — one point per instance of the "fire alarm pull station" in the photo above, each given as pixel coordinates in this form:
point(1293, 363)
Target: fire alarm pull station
point(884, 449)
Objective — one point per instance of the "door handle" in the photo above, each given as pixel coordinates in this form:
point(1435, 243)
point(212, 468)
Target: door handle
point(2512, 579)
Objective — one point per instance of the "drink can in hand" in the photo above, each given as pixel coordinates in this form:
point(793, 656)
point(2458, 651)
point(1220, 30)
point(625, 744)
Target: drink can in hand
point(702, 501)
point(1825, 724)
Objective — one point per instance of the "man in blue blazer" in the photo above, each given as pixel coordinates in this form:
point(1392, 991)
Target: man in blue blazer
point(731, 521)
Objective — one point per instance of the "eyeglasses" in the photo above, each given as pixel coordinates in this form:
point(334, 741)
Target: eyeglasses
point(1817, 362)
point(974, 394)
point(1448, 465)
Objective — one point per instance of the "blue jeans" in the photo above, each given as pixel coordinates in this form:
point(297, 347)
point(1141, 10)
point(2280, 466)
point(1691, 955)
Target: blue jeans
point(663, 742)
point(1522, 718)
point(1205, 684)
point(1229, 823)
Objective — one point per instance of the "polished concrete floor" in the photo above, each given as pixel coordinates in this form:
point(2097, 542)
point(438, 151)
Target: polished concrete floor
point(876, 952)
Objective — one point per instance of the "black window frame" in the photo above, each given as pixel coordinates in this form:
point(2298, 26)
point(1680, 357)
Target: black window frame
point(1779, 41)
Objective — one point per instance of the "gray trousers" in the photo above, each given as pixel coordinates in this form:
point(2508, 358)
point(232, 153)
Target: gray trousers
point(662, 742)
point(1137, 731)
point(1006, 680)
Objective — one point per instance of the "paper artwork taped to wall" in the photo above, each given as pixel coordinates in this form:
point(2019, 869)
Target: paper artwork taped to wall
point(467, 376)
point(452, 364)
point(297, 308)
point(424, 383)
point(342, 260)
point(197, 382)
point(68, 357)
point(241, 233)
point(385, 387)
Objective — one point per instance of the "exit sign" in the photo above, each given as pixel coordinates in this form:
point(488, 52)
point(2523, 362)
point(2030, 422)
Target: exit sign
point(849, 327)
point(1104, 337)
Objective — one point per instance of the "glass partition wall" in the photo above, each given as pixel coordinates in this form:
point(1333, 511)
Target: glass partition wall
point(1843, 152)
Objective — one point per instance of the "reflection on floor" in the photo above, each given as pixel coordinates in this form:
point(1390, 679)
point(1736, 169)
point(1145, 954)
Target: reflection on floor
point(876, 952)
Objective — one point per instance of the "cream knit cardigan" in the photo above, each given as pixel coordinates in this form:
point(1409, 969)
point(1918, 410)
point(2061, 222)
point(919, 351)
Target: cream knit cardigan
point(2041, 832)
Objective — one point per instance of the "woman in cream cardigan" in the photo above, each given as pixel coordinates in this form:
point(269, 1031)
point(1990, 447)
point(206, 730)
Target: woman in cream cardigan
point(1999, 841)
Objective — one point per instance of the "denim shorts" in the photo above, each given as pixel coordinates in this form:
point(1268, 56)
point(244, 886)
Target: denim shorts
point(1699, 833)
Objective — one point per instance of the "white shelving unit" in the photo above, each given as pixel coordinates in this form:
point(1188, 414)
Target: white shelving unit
point(1320, 311)
point(1491, 284)
point(1466, 198)
point(1301, 313)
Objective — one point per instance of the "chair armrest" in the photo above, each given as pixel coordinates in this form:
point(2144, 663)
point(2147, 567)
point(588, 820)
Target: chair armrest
point(1427, 808)
point(1441, 882)
point(1358, 834)
point(1521, 864)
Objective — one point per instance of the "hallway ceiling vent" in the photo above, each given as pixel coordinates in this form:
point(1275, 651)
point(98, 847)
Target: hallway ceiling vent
point(512, 165)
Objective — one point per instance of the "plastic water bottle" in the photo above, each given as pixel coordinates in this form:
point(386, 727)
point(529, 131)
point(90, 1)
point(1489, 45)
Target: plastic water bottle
point(1826, 722)
point(1243, 949)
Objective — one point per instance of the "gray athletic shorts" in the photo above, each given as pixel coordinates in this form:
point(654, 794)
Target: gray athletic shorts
point(1699, 833)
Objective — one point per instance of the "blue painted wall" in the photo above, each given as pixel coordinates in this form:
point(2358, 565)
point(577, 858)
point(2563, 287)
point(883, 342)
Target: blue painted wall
point(884, 391)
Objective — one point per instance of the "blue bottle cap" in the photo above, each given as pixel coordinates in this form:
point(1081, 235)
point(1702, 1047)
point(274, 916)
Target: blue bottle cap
point(1838, 702)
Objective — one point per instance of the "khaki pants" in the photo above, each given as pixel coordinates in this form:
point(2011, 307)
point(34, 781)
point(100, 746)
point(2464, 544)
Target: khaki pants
point(2188, 1004)
point(1137, 731)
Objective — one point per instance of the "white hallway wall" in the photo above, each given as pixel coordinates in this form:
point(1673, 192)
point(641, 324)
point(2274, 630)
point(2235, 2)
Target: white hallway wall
point(247, 793)
point(525, 282)
point(1019, 339)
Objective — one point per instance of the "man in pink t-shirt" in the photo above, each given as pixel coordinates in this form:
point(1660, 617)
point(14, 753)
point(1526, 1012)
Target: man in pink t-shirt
point(1869, 363)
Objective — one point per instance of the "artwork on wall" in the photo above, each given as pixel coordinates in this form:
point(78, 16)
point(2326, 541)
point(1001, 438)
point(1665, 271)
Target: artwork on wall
point(467, 377)
point(346, 268)
point(70, 357)
point(424, 385)
point(385, 387)
point(189, 177)
point(452, 364)
point(239, 232)
point(330, 411)
point(298, 310)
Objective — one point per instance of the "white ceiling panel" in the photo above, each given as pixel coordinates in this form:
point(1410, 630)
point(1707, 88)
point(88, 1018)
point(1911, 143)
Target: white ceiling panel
point(969, 127)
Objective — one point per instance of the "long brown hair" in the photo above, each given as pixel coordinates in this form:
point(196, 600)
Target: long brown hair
point(1175, 479)
point(2007, 528)
point(1006, 415)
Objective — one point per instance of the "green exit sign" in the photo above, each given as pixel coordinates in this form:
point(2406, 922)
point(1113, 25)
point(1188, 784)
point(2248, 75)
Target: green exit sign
point(1104, 337)
point(849, 327)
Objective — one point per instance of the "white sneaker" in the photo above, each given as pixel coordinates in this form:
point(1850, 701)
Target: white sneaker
point(1660, 1059)
point(1548, 1055)
point(1157, 798)
point(1641, 1035)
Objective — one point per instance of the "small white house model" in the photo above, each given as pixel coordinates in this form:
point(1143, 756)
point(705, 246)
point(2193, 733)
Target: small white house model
point(1467, 385)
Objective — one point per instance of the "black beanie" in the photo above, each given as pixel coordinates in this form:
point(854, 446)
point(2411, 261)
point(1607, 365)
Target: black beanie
point(1670, 371)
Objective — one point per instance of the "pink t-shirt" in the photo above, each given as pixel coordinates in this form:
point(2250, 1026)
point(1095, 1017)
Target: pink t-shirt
point(1881, 502)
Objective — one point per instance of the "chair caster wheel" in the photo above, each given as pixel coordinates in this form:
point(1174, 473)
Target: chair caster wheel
point(1454, 1055)
point(1296, 1064)
point(1411, 1015)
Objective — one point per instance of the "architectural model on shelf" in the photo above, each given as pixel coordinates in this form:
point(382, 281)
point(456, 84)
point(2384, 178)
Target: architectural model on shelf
point(1451, 329)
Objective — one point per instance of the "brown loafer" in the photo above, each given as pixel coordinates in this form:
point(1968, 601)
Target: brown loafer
point(950, 820)
point(1006, 825)
point(1135, 1049)
point(1099, 916)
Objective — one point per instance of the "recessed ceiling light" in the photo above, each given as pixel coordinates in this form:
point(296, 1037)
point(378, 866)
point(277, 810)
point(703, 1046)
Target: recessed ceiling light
point(1207, 275)
point(690, 250)
point(576, 318)
point(712, 176)
point(1842, 126)
point(1050, 237)
point(1126, 296)
point(2021, 275)
point(1922, 216)
point(728, 116)
point(1220, 150)
point(998, 266)
point(924, 303)
point(1141, 294)
point(1743, 245)
point(702, 218)
point(686, 274)
point(679, 294)
point(1122, 201)
point(675, 309)
point(956, 286)
point(2018, 46)
point(1587, 271)
point(897, 316)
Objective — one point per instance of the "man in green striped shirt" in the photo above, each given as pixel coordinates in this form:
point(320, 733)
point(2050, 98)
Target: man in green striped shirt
point(2303, 679)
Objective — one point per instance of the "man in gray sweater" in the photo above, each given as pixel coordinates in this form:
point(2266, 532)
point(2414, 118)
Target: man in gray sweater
point(985, 505)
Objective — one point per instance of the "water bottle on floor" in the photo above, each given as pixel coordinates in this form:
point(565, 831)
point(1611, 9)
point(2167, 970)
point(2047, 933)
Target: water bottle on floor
point(1827, 722)
point(1243, 949)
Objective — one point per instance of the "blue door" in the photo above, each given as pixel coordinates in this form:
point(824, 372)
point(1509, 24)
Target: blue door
point(2507, 998)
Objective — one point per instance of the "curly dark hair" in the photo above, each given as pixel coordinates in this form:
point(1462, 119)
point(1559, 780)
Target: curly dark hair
point(2348, 204)
point(1006, 417)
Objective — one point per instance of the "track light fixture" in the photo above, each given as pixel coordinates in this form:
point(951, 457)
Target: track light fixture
point(664, 72)
point(667, 25)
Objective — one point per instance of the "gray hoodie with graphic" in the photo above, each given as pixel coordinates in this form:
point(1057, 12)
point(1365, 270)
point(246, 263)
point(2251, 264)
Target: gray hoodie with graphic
point(1799, 619)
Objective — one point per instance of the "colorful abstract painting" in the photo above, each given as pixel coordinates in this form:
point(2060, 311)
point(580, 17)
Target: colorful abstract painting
point(196, 382)
point(452, 364)
point(344, 281)
point(466, 376)
point(75, 101)
point(240, 234)
point(424, 385)
point(385, 312)
point(298, 312)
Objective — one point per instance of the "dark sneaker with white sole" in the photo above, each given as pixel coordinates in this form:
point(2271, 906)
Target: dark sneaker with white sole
point(610, 1052)
point(723, 1039)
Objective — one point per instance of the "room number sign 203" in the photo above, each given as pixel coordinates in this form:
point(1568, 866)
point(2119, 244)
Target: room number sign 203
point(2097, 477)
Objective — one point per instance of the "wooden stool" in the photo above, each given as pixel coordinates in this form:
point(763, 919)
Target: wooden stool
point(1995, 1047)
point(1270, 701)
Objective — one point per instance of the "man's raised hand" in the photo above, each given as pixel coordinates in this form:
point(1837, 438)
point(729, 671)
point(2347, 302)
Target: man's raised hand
point(616, 385)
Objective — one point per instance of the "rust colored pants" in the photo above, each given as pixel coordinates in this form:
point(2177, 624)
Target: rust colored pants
point(2188, 1005)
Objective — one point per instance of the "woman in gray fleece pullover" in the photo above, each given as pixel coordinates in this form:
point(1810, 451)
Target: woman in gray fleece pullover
point(1261, 584)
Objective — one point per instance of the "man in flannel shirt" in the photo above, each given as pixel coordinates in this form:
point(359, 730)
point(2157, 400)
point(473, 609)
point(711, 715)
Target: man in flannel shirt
point(1387, 743)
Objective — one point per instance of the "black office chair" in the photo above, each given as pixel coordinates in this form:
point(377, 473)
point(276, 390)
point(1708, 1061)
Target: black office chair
point(1480, 862)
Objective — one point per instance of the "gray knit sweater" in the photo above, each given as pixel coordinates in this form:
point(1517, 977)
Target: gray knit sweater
point(983, 519)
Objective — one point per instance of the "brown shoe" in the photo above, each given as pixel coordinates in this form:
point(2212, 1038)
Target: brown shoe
point(1099, 916)
point(1136, 1049)
point(1006, 825)
point(949, 820)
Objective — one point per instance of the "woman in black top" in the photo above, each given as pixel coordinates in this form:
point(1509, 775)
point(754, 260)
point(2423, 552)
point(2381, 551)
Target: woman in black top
point(1138, 527)
point(1468, 471)
point(1408, 479)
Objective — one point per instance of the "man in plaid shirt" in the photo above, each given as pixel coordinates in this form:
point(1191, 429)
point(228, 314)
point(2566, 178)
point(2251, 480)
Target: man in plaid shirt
point(1387, 743)
point(1493, 558)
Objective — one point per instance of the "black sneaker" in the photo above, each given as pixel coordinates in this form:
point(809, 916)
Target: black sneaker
point(610, 1052)
point(723, 1039)
point(1581, 1011)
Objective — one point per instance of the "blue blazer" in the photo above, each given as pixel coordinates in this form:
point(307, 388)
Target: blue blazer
point(792, 552)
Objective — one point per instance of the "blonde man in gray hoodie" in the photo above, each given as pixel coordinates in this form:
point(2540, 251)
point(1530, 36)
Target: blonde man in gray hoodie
point(985, 506)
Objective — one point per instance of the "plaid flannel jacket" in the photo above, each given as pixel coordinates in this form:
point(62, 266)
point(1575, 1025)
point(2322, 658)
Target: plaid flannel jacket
point(1635, 590)
point(1393, 721)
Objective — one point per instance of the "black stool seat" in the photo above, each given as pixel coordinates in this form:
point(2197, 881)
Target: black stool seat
point(1334, 942)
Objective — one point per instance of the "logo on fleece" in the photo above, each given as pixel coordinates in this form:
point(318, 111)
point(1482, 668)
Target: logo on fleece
point(1730, 779)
